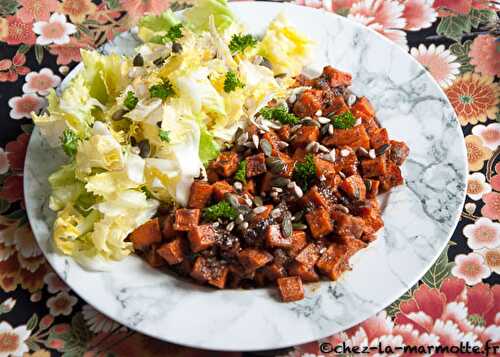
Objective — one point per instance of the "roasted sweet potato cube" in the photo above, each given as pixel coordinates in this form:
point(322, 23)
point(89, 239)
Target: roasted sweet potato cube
point(186, 218)
point(146, 234)
point(372, 187)
point(221, 188)
point(173, 252)
point(212, 175)
point(250, 187)
point(272, 138)
point(253, 259)
point(299, 241)
point(257, 217)
point(219, 276)
point(201, 270)
point(336, 77)
point(226, 163)
point(319, 222)
point(354, 187)
point(305, 135)
point(333, 182)
point(284, 132)
point(353, 244)
point(324, 167)
point(372, 219)
point(299, 154)
point(348, 164)
point(313, 198)
point(363, 108)
point(266, 183)
point(399, 152)
point(202, 237)
point(289, 164)
point(275, 239)
point(200, 194)
point(374, 168)
point(354, 137)
point(256, 165)
point(274, 271)
point(334, 105)
point(306, 273)
point(153, 258)
point(308, 103)
point(379, 137)
point(334, 261)
point(346, 224)
point(168, 231)
point(290, 288)
point(392, 177)
point(309, 255)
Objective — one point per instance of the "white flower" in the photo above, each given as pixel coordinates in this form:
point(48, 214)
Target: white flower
point(56, 30)
point(22, 107)
point(54, 283)
point(25, 242)
point(12, 341)
point(439, 61)
point(492, 259)
point(61, 304)
point(7, 305)
point(490, 134)
point(477, 186)
point(484, 233)
point(41, 82)
point(96, 321)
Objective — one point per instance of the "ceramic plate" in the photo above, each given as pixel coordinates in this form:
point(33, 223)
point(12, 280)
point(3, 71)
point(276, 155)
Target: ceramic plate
point(419, 217)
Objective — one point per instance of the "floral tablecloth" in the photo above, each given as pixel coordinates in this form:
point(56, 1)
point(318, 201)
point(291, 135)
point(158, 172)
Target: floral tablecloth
point(457, 300)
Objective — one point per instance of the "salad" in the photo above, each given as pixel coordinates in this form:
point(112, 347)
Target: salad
point(138, 130)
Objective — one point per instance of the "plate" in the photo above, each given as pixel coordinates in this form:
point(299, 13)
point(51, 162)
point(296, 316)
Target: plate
point(419, 217)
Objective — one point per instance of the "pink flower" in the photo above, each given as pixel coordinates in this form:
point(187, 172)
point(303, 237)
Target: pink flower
point(495, 180)
point(11, 69)
point(77, 10)
point(316, 4)
point(19, 32)
point(452, 7)
point(438, 61)
point(418, 14)
point(61, 304)
point(36, 9)
point(16, 152)
point(471, 268)
point(12, 189)
point(69, 52)
point(137, 8)
point(54, 283)
point(96, 321)
point(484, 55)
point(490, 134)
point(41, 82)
point(384, 16)
point(56, 30)
point(491, 209)
point(482, 234)
point(492, 258)
point(4, 162)
point(22, 107)
point(477, 186)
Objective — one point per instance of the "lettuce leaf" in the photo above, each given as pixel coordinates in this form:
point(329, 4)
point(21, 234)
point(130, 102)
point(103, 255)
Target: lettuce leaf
point(209, 149)
point(151, 26)
point(197, 17)
point(65, 187)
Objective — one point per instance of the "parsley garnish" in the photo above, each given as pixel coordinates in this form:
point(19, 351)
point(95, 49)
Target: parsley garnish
point(232, 82)
point(174, 33)
point(165, 135)
point(241, 172)
point(220, 210)
point(130, 100)
point(148, 193)
point(240, 42)
point(343, 121)
point(305, 172)
point(162, 91)
point(69, 142)
point(280, 114)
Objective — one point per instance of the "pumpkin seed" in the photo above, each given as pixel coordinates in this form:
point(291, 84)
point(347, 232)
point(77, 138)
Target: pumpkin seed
point(266, 63)
point(118, 115)
point(255, 140)
point(266, 147)
point(298, 191)
point(275, 165)
point(286, 227)
point(280, 181)
point(144, 148)
point(381, 150)
point(299, 226)
point(138, 60)
point(259, 209)
point(176, 47)
point(233, 201)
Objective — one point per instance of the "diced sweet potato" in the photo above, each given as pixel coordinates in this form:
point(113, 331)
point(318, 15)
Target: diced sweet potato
point(348, 164)
point(219, 277)
point(256, 165)
point(274, 271)
point(334, 261)
point(200, 194)
point(354, 187)
point(379, 137)
point(399, 152)
point(289, 164)
point(334, 105)
point(272, 138)
point(284, 132)
point(372, 219)
point(253, 259)
point(153, 258)
point(201, 270)
point(372, 187)
point(392, 177)
point(307, 274)
point(275, 239)
point(186, 218)
point(375, 167)
point(363, 108)
point(299, 154)
point(226, 163)
point(305, 135)
point(290, 288)
point(332, 182)
point(336, 77)
point(257, 217)
point(346, 224)
point(309, 255)
point(353, 244)
point(250, 187)
point(146, 234)
point(299, 241)
point(313, 198)
point(173, 252)
point(324, 167)
point(308, 103)
point(354, 137)
point(319, 222)
point(201, 237)
point(168, 231)
point(266, 183)
point(221, 188)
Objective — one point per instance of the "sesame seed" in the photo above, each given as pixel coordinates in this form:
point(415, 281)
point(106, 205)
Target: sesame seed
point(344, 152)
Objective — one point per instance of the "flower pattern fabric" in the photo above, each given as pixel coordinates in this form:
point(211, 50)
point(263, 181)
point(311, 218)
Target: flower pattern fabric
point(458, 299)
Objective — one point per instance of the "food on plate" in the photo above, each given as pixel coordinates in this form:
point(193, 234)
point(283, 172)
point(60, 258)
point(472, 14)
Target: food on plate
point(210, 154)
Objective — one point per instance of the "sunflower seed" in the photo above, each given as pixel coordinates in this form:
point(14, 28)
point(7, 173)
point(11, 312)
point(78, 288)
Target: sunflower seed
point(324, 130)
point(280, 181)
point(312, 146)
point(341, 174)
point(277, 189)
point(341, 208)
point(260, 209)
point(323, 120)
point(266, 147)
point(372, 154)
point(244, 225)
point(242, 139)
point(215, 224)
point(381, 150)
point(275, 213)
point(176, 47)
point(307, 121)
point(293, 98)
point(319, 113)
point(138, 60)
point(299, 226)
point(271, 124)
point(351, 100)
point(362, 152)
point(238, 185)
point(232, 200)
point(295, 128)
point(230, 226)
point(159, 61)
point(344, 152)
point(327, 157)
point(290, 184)
point(298, 191)
point(255, 140)
point(330, 129)
point(145, 148)
point(286, 227)
point(323, 148)
point(282, 144)
point(248, 201)
point(118, 115)
point(239, 219)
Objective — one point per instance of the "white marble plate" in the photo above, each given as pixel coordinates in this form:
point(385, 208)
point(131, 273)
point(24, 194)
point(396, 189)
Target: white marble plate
point(419, 217)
